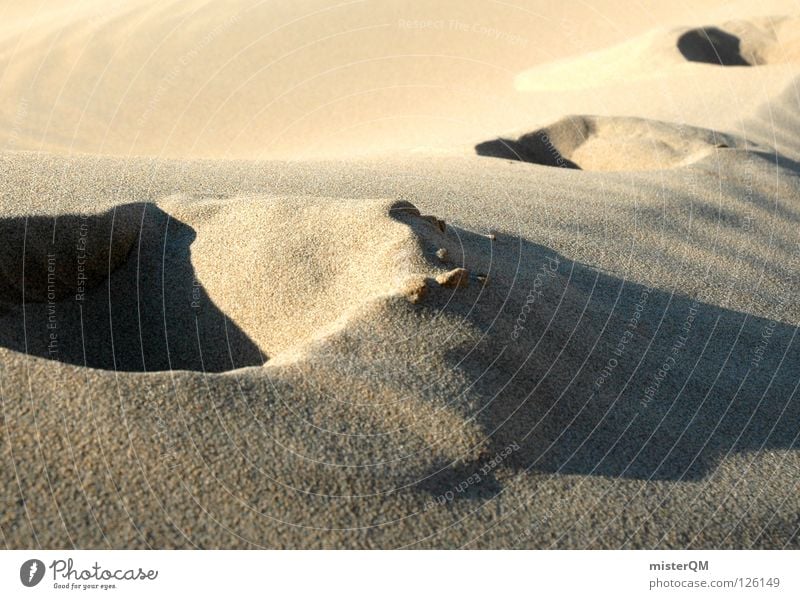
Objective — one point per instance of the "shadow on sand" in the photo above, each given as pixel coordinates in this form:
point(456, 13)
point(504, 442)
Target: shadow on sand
point(115, 291)
point(711, 45)
point(532, 147)
point(581, 372)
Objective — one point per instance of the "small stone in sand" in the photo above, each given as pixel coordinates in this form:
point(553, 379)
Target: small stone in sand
point(415, 289)
point(483, 280)
point(442, 254)
point(458, 277)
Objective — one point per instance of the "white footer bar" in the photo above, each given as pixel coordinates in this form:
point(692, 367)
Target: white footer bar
point(387, 574)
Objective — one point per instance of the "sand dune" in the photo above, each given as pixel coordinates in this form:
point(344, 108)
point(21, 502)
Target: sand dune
point(755, 42)
point(405, 331)
point(250, 80)
point(508, 380)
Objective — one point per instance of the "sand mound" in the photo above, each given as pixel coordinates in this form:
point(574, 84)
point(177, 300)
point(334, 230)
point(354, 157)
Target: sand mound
point(611, 144)
point(751, 42)
point(290, 270)
point(765, 41)
point(208, 283)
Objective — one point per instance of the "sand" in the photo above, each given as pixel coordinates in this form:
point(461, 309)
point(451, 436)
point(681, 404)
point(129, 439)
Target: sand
point(380, 275)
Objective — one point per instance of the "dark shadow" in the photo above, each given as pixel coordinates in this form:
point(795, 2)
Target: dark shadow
point(780, 161)
point(575, 388)
point(712, 46)
point(532, 147)
point(472, 481)
point(115, 291)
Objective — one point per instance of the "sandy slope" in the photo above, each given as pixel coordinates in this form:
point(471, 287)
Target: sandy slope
point(581, 333)
point(249, 79)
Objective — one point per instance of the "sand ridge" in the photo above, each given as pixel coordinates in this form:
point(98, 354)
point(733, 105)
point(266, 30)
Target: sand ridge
point(185, 252)
point(613, 143)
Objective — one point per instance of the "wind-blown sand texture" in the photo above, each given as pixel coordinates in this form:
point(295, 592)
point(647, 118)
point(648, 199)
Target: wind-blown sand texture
point(382, 274)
